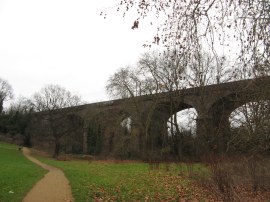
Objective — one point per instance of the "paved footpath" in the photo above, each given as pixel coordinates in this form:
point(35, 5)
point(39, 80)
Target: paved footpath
point(53, 187)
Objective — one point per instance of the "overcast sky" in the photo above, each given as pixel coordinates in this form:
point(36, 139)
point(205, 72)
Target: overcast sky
point(66, 42)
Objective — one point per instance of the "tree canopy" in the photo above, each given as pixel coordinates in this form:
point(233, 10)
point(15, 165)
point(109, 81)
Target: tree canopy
point(53, 97)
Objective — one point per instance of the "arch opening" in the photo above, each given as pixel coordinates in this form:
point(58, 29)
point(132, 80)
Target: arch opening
point(126, 124)
point(250, 127)
point(181, 133)
point(184, 121)
point(125, 143)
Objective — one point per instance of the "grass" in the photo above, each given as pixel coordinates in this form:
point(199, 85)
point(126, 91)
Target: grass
point(107, 181)
point(17, 174)
point(114, 181)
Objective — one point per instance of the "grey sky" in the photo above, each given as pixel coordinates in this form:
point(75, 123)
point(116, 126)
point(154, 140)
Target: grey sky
point(66, 42)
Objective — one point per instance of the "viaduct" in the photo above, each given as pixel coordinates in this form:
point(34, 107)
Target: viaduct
point(149, 114)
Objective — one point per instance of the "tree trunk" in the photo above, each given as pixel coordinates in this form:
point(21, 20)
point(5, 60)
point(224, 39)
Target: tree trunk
point(56, 148)
point(1, 106)
point(179, 138)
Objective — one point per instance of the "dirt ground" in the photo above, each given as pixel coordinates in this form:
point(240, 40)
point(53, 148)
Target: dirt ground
point(53, 187)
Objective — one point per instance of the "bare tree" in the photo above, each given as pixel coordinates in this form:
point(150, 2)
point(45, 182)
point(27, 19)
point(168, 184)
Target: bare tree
point(205, 69)
point(164, 69)
point(124, 83)
point(21, 105)
point(54, 100)
point(6, 93)
point(241, 27)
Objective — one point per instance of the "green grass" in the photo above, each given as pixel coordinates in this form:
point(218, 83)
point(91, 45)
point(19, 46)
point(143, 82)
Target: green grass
point(126, 181)
point(17, 174)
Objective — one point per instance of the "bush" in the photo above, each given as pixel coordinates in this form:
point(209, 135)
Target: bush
point(234, 177)
point(221, 176)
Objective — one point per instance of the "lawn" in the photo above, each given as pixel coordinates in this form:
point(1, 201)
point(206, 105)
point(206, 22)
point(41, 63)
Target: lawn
point(17, 174)
point(108, 181)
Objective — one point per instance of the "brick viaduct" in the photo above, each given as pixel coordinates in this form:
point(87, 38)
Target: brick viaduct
point(150, 113)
